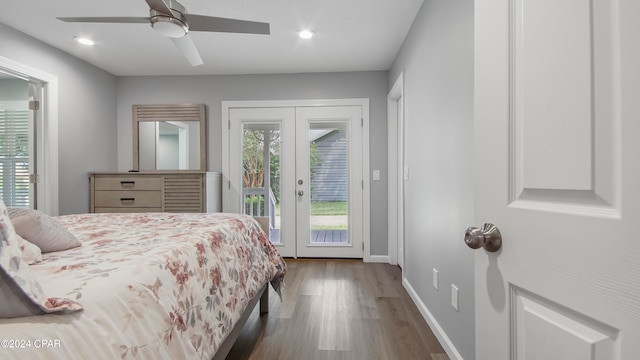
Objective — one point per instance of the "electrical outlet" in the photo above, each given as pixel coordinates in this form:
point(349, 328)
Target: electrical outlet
point(454, 296)
point(435, 279)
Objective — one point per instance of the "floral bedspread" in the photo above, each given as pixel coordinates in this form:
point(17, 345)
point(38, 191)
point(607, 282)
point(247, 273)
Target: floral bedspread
point(153, 286)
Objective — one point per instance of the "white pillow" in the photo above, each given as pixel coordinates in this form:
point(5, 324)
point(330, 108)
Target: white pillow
point(18, 211)
point(31, 254)
point(43, 231)
point(20, 292)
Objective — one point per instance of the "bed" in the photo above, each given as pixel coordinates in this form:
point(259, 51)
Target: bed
point(139, 286)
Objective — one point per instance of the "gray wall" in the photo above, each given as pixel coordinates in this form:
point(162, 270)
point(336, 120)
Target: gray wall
point(437, 60)
point(86, 114)
point(213, 89)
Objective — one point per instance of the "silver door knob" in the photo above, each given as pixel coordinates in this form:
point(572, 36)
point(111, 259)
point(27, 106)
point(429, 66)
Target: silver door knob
point(300, 192)
point(488, 237)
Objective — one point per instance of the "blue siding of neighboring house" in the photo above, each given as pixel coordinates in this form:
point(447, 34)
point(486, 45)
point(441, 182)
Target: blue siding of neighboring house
point(330, 182)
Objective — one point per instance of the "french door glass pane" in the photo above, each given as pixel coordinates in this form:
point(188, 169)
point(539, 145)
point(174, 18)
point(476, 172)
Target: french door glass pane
point(329, 179)
point(261, 174)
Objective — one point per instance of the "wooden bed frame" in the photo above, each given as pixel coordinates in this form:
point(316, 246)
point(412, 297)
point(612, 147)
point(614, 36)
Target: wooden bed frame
point(263, 297)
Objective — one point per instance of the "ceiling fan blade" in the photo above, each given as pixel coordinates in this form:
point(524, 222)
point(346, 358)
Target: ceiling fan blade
point(218, 24)
point(125, 20)
point(188, 49)
point(159, 5)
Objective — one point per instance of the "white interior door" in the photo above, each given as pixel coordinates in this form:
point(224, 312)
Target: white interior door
point(556, 131)
point(329, 181)
point(17, 136)
point(395, 144)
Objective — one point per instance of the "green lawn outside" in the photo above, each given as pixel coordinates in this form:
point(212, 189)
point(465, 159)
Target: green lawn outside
point(324, 208)
point(330, 227)
point(329, 208)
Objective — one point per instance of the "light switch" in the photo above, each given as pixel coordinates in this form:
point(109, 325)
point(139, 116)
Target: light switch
point(376, 175)
point(406, 173)
point(454, 296)
point(435, 279)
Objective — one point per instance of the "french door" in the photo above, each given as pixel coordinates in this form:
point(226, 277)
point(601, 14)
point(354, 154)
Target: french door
point(301, 169)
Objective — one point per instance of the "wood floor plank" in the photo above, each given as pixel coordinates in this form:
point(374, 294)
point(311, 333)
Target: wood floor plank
point(312, 281)
point(335, 328)
point(439, 357)
point(339, 309)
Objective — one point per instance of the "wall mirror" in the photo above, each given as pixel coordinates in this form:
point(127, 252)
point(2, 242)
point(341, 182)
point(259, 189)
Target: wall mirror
point(169, 137)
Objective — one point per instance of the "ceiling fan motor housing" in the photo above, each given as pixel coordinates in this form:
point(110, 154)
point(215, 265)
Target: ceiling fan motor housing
point(170, 25)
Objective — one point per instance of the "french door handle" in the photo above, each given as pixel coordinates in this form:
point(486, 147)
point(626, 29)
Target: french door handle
point(300, 192)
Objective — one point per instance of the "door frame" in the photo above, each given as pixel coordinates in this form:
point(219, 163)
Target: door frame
point(362, 102)
point(46, 132)
point(395, 133)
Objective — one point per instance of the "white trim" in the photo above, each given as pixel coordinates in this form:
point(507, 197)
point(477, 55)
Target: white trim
point(395, 217)
point(364, 103)
point(47, 146)
point(366, 191)
point(383, 259)
point(442, 337)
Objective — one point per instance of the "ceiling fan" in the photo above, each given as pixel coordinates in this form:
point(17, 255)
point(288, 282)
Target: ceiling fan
point(169, 18)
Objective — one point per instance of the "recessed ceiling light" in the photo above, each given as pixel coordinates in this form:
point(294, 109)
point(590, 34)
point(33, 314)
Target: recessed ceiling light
point(305, 34)
point(83, 41)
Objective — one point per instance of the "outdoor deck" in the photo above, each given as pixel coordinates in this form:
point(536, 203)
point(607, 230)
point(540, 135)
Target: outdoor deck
point(317, 236)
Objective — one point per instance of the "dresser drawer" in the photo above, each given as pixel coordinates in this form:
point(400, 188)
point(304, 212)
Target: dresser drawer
point(138, 182)
point(167, 191)
point(126, 210)
point(128, 199)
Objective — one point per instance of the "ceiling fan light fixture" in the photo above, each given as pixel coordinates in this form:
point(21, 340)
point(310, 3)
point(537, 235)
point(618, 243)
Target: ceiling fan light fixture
point(169, 26)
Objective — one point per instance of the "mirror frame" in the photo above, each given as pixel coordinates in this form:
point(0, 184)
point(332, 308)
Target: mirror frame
point(170, 112)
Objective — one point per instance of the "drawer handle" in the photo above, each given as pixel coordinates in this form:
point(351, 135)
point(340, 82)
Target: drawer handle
point(127, 199)
point(127, 183)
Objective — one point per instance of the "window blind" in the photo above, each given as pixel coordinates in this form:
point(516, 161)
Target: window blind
point(14, 157)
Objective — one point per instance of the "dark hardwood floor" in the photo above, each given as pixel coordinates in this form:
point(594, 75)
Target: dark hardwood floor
point(338, 309)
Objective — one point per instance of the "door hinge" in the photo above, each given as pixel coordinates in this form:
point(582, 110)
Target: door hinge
point(361, 122)
point(34, 105)
point(229, 124)
point(363, 184)
point(362, 246)
point(34, 178)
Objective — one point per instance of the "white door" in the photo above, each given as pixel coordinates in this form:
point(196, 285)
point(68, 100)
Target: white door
point(17, 138)
point(257, 134)
point(329, 181)
point(302, 169)
point(557, 92)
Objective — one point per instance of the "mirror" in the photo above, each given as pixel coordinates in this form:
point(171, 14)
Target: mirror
point(168, 137)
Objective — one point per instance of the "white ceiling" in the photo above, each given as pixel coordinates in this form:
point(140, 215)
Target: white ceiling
point(351, 35)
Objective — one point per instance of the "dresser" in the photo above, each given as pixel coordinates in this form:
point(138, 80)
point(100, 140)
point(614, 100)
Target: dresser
point(184, 191)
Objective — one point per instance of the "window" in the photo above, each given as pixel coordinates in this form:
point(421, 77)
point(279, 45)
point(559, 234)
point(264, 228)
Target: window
point(14, 157)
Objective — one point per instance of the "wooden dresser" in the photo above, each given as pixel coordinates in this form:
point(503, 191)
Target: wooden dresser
point(192, 191)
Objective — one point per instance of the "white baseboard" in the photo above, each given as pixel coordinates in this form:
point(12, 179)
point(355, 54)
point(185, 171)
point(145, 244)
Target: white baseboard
point(446, 343)
point(378, 259)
